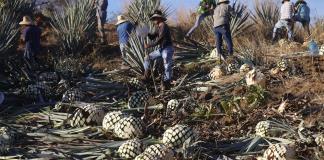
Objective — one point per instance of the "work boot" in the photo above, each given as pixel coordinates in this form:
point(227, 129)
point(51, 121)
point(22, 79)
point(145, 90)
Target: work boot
point(166, 85)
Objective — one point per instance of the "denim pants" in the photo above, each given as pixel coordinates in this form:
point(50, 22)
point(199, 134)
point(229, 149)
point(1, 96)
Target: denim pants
point(123, 50)
point(165, 53)
point(280, 24)
point(220, 33)
point(199, 19)
point(29, 56)
point(101, 20)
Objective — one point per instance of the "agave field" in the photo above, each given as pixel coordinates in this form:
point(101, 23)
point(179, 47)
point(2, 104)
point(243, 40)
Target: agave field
point(254, 105)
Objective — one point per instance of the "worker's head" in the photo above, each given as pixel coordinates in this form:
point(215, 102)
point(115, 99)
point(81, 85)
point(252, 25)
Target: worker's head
point(121, 19)
point(223, 1)
point(283, 1)
point(157, 17)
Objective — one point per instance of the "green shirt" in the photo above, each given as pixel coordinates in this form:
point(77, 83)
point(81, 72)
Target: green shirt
point(203, 6)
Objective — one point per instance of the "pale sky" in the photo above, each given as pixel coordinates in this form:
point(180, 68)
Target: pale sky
point(116, 6)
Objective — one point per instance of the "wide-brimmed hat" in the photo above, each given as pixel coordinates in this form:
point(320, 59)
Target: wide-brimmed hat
point(157, 16)
point(223, 1)
point(26, 21)
point(121, 19)
point(285, 0)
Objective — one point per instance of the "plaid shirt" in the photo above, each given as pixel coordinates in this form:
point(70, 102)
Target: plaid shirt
point(287, 11)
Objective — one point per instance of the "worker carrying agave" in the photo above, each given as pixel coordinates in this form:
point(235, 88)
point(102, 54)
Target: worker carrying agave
point(222, 14)
point(165, 51)
point(204, 10)
point(124, 29)
point(31, 35)
point(286, 20)
point(101, 13)
point(302, 14)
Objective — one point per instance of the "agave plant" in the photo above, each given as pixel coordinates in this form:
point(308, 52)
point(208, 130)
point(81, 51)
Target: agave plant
point(8, 31)
point(74, 25)
point(266, 14)
point(139, 11)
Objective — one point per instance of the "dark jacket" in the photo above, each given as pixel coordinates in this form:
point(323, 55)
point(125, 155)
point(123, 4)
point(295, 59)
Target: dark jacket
point(31, 35)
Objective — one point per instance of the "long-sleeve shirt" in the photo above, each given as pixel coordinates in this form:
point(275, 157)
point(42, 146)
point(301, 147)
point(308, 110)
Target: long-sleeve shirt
point(205, 5)
point(222, 14)
point(124, 30)
point(287, 11)
point(31, 35)
point(162, 37)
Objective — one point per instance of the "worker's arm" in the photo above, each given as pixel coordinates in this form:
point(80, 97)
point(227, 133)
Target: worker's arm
point(159, 36)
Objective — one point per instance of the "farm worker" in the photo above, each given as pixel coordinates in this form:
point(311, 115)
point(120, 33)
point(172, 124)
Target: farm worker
point(302, 14)
point(204, 10)
point(124, 29)
point(165, 51)
point(222, 14)
point(286, 19)
point(101, 7)
point(31, 35)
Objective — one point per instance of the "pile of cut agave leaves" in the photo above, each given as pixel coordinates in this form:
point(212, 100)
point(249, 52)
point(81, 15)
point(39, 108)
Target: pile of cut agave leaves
point(124, 128)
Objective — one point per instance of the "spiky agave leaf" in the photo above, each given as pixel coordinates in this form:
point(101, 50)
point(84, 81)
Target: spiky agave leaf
point(240, 23)
point(266, 14)
point(8, 30)
point(74, 25)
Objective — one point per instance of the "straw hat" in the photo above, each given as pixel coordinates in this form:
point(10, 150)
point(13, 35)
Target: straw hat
point(121, 19)
point(156, 15)
point(26, 21)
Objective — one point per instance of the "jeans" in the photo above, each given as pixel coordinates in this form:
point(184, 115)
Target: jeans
point(304, 22)
point(220, 33)
point(199, 19)
point(165, 53)
point(280, 24)
point(123, 50)
point(101, 20)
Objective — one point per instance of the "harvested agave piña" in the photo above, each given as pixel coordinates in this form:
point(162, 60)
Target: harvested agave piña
point(138, 99)
point(110, 119)
point(245, 68)
point(73, 95)
point(216, 73)
point(280, 152)
point(172, 106)
point(282, 64)
point(130, 149)
point(255, 77)
point(87, 115)
point(37, 89)
point(177, 135)
point(156, 152)
point(262, 129)
point(6, 140)
point(129, 127)
point(48, 77)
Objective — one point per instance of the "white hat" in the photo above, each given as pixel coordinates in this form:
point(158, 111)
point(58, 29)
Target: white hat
point(26, 21)
point(121, 19)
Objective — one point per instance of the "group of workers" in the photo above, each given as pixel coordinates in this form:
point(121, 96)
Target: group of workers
point(221, 12)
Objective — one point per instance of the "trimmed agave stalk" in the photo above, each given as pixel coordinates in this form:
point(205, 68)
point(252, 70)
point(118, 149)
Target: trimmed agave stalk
point(139, 11)
point(74, 25)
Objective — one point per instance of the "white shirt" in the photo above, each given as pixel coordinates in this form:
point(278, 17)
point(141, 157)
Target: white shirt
point(287, 10)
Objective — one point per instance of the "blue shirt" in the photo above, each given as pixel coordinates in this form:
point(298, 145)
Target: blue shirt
point(124, 30)
point(31, 36)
